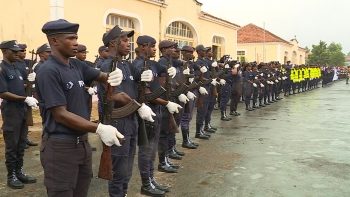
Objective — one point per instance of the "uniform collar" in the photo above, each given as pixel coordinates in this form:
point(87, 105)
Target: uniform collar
point(60, 63)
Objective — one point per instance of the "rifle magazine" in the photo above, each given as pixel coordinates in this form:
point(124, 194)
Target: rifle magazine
point(125, 110)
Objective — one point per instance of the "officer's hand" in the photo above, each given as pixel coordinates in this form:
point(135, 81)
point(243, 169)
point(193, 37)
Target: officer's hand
point(173, 107)
point(276, 81)
point(261, 74)
point(256, 77)
point(237, 65)
point(190, 95)
point(214, 82)
point(203, 69)
point(91, 91)
point(191, 80)
point(279, 78)
point(146, 113)
point(182, 98)
point(227, 66)
point(262, 85)
point(272, 83)
point(254, 84)
point(268, 75)
point(147, 76)
point(31, 77)
point(172, 72)
point(186, 71)
point(203, 91)
point(109, 134)
point(214, 64)
point(31, 101)
point(222, 82)
point(115, 78)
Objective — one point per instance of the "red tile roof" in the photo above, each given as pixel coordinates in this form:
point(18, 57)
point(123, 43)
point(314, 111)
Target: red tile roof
point(254, 34)
point(217, 18)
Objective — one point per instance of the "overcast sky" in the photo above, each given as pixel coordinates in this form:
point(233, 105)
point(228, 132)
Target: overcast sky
point(309, 20)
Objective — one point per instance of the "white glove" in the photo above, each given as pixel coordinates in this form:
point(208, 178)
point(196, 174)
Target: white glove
point(256, 77)
point(214, 64)
point(91, 91)
point(272, 83)
point(191, 80)
point(268, 75)
point(146, 113)
point(276, 81)
point(203, 69)
point(182, 98)
point(109, 134)
point(214, 82)
point(268, 82)
point(172, 72)
point(203, 91)
point(186, 71)
point(31, 101)
point(254, 84)
point(115, 78)
point(222, 82)
point(227, 66)
point(261, 74)
point(190, 95)
point(237, 65)
point(279, 78)
point(262, 85)
point(173, 107)
point(31, 77)
point(147, 76)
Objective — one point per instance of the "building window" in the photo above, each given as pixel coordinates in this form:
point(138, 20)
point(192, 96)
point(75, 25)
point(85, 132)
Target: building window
point(126, 24)
point(217, 40)
point(217, 47)
point(179, 33)
point(241, 56)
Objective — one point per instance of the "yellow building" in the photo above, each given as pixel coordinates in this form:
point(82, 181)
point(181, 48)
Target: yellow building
point(180, 20)
point(257, 44)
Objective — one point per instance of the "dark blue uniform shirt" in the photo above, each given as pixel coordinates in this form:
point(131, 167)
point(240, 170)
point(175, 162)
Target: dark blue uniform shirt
point(38, 66)
point(197, 67)
point(99, 63)
point(11, 79)
point(59, 84)
point(248, 75)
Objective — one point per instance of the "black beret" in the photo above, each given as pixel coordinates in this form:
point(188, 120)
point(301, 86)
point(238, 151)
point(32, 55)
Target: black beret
point(42, 48)
point(11, 44)
point(81, 48)
point(188, 48)
point(145, 40)
point(22, 46)
point(115, 32)
point(166, 44)
point(60, 26)
point(201, 48)
point(102, 48)
point(208, 48)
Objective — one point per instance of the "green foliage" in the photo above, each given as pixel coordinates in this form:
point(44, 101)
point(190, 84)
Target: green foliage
point(243, 59)
point(323, 55)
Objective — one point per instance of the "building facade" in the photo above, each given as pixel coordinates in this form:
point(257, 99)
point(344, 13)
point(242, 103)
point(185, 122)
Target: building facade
point(181, 21)
point(257, 44)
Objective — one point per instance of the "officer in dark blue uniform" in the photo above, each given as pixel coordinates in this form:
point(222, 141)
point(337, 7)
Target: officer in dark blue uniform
point(103, 55)
point(13, 112)
point(236, 90)
point(147, 154)
point(123, 157)
point(60, 90)
point(44, 52)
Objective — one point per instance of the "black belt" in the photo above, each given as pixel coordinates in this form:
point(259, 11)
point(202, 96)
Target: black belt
point(67, 137)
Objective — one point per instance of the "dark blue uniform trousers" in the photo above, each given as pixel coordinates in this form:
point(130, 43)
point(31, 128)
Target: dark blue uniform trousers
point(247, 92)
point(211, 104)
point(225, 96)
point(147, 154)
point(123, 156)
point(202, 112)
point(187, 117)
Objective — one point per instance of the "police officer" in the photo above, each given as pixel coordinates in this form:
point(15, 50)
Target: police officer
point(147, 153)
point(13, 112)
point(103, 55)
point(236, 90)
point(118, 44)
point(44, 52)
point(60, 89)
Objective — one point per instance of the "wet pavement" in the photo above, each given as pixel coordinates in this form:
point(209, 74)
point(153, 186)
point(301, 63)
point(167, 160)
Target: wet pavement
point(297, 147)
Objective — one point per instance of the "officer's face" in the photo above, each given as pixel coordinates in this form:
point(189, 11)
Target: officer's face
point(153, 50)
point(209, 54)
point(124, 47)
point(10, 55)
point(201, 53)
point(81, 55)
point(187, 55)
point(45, 55)
point(22, 54)
point(65, 44)
point(104, 54)
point(176, 55)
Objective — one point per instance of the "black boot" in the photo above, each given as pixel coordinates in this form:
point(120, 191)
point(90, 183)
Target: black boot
point(224, 117)
point(234, 113)
point(149, 189)
point(12, 180)
point(178, 152)
point(173, 155)
point(163, 188)
point(207, 128)
point(199, 133)
point(30, 143)
point(255, 106)
point(163, 165)
point(211, 126)
point(173, 165)
point(23, 177)
point(248, 108)
point(192, 142)
point(186, 143)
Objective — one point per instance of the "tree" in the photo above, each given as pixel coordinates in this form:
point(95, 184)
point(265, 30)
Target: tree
point(337, 58)
point(348, 54)
point(307, 49)
point(320, 54)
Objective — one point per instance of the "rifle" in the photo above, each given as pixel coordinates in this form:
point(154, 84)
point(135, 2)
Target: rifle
point(110, 114)
point(202, 83)
point(29, 116)
point(185, 79)
point(96, 60)
point(172, 126)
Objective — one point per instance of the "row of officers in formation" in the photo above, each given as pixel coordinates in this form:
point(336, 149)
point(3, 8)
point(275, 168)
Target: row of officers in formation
point(63, 87)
